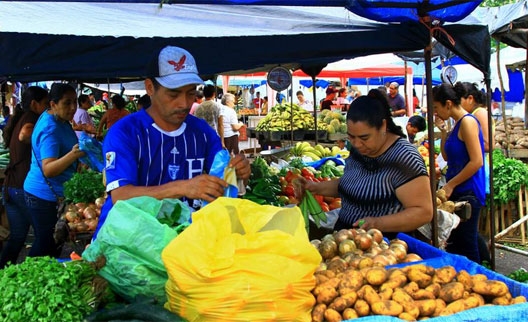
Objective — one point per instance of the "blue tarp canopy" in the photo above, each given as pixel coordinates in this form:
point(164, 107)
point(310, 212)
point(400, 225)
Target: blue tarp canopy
point(113, 40)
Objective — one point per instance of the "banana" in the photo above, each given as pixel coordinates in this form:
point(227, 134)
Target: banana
point(320, 149)
point(314, 151)
point(327, 151)
point(311, 155)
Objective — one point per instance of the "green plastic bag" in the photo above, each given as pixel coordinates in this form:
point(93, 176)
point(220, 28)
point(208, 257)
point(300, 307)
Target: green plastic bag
point(132, 238)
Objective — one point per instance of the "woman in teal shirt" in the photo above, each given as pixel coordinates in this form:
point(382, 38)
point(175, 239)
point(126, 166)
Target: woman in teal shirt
point(53, 162)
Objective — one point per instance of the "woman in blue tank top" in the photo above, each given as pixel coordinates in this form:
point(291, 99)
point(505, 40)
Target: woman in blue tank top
point(465, 175)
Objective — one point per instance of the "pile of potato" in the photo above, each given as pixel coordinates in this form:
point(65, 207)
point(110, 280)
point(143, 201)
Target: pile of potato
point(358, 248)
point(518, 136)
point(411, 293)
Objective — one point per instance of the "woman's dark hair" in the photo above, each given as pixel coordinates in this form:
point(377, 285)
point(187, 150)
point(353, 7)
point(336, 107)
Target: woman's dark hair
point(82, 98)
point(58, 90)
point(118, 102)
point(373, 109)
point(32, 93)
point(444, 92)
point(472, 89)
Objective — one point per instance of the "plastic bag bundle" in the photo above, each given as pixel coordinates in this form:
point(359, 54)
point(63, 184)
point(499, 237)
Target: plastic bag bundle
point(240, 261)
point(94, 152)
point(220, 168)
point(132, 239)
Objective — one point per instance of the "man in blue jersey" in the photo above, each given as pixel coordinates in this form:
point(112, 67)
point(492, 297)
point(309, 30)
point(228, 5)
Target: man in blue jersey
point(163, 151)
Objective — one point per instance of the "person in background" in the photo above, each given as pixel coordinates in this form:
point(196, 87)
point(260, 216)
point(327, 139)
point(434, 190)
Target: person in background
point(474, 102)
point(87, 91)
point(264, 105)
point(341, 99)
point(172, 151)
point(396, 100)
point(257, 102)
point(82, 121)
point(143, 102)
point(55, 155)
point(304, 103)
point(416, 101)
point(111, 116)
point(210, 111)
point(17, 137)
point(399, 195)
point(6, 114)
point(197, 101)
point(415, 124)
point(230, 123)
point(464, 153)
point(328, 101)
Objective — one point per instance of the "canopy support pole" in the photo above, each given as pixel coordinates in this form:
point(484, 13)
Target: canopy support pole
point(430, 134)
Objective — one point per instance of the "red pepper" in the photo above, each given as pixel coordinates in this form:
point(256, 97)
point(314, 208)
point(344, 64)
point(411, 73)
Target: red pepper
point(319, 198)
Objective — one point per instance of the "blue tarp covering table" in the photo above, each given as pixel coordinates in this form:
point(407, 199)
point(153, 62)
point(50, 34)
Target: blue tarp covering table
point(437, 258)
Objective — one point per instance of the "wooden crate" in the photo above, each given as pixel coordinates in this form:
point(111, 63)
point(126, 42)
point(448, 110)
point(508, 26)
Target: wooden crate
point(509, 224)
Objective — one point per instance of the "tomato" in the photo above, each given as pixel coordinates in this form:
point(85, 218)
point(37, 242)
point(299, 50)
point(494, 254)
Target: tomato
point(290, 175)
point(335, 204)
point(307, 174)
point(293, 200)
point(284, 200)
point(319, 198)
point(289, 190)
point(283, 182)
point(325, 207)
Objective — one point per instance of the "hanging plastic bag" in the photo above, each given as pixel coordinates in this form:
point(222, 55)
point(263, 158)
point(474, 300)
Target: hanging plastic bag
point(132, 238)
point(94, 152)
point(240, 261)
point(221, 169)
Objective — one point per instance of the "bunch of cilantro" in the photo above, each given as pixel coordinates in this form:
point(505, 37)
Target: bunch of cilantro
point(42, 289)
point(85, 186)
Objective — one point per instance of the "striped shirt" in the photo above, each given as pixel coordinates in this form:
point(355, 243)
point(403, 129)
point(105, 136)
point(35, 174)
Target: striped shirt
point(368, 186)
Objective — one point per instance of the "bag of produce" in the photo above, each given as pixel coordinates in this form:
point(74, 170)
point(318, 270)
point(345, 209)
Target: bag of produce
point(94, 152)
point(240, 261)
point(132, 238)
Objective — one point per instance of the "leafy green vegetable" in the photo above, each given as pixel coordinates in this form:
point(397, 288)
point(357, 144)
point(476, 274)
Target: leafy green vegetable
point(520, 275)
point(84, 186)
point(42, 289)
point(509, 175)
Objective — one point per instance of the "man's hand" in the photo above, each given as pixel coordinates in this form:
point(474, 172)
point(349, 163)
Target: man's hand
point(205, 187)
point(241, 165)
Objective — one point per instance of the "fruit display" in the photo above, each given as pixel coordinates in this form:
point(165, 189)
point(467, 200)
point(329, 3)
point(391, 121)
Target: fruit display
point(335, 121)
point(353, 281)
point(316, 152)
point(287, 117)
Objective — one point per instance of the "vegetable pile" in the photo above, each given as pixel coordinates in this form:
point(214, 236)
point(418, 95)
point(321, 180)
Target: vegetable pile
point(411, 293)
point(509, 175)
point(42, 289)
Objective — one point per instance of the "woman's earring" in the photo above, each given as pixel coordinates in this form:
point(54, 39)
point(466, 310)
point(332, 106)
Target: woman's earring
point(384, 133)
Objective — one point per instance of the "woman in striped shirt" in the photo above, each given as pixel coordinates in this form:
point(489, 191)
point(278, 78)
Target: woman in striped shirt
point(385, 184)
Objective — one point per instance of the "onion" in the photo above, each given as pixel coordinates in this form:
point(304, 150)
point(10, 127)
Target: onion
point(346, 246)
point(81, 226)
point(399, 241)
point(80, 205)
point(91, 224)
point(71, 207)
point(71, 216)
point(380, 260)
point(99, 202)
point(342, 235)
point(376, 234)
point(412, 257)
point(89, 213)
point(363, 241)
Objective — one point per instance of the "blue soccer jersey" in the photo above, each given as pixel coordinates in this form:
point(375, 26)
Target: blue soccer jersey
point(138, 152)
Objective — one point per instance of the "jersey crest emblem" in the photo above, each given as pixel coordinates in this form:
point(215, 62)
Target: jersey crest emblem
point(110, 160)
point(173, 171)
